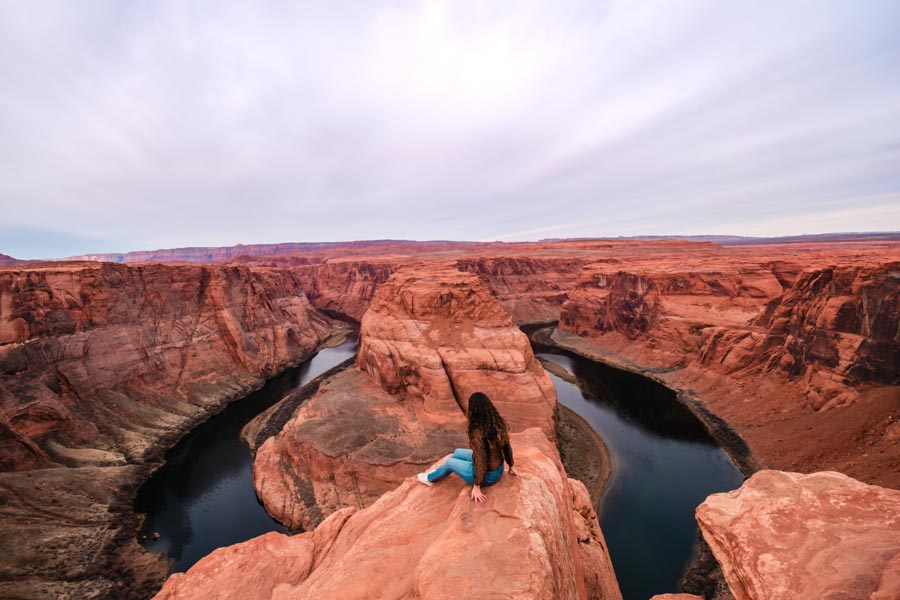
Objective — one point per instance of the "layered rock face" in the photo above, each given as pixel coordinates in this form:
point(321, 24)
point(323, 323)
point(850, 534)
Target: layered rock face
point(432, 334)
point(783, 536)
point(345, 286)
point(788, 357)
point(426, 334)
point(535, 537)
point(836, 329)
point(102, 356)
point(102, 367)
point(669, 311)
point(532, 290)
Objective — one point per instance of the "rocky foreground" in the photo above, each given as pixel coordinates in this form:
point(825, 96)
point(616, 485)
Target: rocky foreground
point(535, 537)
point(784, 536)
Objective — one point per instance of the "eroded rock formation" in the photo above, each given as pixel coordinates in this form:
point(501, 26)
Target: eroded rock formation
point(102, 367)
point(783, 536)
point(535, 537)
point(785, 355)
point(531, 289)
point(431, 333)
point(425, 334)
point(345, 286)
point(346, 446)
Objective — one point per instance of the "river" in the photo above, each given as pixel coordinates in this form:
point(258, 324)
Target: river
point(202, 498)
point(664, 465)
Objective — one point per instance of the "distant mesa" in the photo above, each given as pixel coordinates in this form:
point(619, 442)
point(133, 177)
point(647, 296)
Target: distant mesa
point(406, 247)
point(8, 261)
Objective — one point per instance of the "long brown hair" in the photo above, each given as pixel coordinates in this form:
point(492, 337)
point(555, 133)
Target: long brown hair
point(484, 417)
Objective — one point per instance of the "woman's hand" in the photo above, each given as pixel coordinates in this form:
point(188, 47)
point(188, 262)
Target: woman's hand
point(476, 494)
point(512, 471)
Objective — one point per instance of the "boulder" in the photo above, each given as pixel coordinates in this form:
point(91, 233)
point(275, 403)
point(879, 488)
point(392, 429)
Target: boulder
point(783, 536)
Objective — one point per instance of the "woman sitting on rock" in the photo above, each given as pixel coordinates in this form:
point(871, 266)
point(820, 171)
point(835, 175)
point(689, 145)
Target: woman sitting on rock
point(483, 464)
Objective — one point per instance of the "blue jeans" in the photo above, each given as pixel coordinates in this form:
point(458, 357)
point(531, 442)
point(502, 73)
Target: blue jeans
point(461, 464)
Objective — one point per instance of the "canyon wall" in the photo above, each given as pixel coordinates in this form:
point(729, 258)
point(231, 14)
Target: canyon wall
point(785, 355)
point(535, 537)
point(531, 289)
point(102, 367)
point(345, 286)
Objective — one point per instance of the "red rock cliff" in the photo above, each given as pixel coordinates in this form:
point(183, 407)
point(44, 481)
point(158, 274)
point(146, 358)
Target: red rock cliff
point(368, 429)
point(788, 357)
point(104, 365)
point(532, 290)
point(432, 332)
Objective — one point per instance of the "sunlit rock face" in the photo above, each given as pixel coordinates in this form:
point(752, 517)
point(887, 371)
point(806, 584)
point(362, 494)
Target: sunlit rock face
point(430, 332)
point(535, 537)
point(783, 536)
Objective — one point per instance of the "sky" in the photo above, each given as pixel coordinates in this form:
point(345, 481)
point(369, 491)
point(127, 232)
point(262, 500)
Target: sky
point(156, 124)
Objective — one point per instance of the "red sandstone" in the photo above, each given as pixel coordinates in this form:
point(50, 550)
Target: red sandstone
point(783, 536)
point(535, 537)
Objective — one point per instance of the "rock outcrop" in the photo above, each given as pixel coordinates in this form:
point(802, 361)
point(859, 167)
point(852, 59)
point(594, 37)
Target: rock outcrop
point(784, 536)
point(345, 447)
point(837, 329)
point(535, 537)
point(433, 334)
point(103, 367)
point(365, 430)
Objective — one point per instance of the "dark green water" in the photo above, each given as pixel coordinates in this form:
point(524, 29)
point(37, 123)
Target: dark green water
point(203, 497)
point(664, 465)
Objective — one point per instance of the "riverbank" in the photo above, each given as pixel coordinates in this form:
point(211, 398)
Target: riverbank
point(583, 454)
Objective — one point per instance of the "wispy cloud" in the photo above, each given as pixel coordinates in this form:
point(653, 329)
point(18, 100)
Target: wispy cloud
point(159, 124)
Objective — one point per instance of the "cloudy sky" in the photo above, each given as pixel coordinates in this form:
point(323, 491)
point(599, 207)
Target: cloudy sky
point(142, 125)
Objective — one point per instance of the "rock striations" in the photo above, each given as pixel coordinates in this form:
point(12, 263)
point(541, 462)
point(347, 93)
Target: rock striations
point(788, 357)
point(430, 333)
point(102, 367)
point(783, 536)
point(535, 537)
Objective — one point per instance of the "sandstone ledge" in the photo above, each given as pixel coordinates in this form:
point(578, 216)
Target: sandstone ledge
point(535, 537)
point(785, 536)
